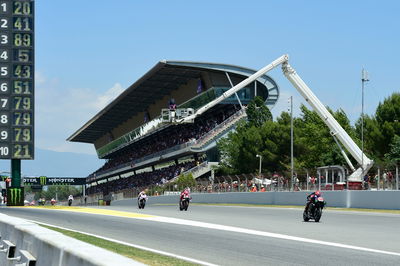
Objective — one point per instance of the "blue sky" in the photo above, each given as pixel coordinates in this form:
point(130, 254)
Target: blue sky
point(87, 52)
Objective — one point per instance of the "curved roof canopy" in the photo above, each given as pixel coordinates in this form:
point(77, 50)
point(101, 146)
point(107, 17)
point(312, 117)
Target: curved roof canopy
point(158, 82)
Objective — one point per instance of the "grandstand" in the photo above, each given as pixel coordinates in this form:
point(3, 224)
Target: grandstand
point(141, 150)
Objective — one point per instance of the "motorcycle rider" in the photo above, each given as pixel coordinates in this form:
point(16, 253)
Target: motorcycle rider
point(310, 198)
point(142, 195)
point(185, 194)
point(70, 199)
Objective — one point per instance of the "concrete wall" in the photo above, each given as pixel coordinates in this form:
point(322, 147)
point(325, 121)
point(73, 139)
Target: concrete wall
point(51, 248)
point(344, 199)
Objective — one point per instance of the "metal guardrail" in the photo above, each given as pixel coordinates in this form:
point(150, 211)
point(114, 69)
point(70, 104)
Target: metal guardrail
point(25, 243)
point(219, 129)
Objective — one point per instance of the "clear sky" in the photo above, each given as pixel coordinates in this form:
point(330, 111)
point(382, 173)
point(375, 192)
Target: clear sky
point(89, 51)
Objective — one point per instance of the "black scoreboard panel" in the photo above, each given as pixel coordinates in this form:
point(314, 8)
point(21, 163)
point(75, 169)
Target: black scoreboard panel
point(16, 79)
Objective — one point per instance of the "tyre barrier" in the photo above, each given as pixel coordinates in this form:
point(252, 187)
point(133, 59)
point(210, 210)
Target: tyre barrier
point(23, 243)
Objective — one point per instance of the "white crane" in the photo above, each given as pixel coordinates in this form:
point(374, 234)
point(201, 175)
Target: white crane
point(336, 130)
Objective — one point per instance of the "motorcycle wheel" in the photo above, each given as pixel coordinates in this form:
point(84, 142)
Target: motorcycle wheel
point(317, 215)
point(186, 206)
point(305, 217)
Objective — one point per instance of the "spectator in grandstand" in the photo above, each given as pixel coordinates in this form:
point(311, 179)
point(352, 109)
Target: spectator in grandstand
point(253, 188)
point(262, 188)
point(172, 104)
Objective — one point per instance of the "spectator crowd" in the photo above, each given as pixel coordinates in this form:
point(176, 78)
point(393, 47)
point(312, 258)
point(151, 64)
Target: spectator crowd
point(165, 139)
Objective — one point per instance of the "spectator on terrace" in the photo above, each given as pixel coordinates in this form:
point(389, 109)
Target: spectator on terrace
point(384, 178)
point(366, 181)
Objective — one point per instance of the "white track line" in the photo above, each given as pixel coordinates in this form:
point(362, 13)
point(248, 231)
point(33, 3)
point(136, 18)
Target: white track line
point(251, 232)
point(261, 233)
point(132, 245)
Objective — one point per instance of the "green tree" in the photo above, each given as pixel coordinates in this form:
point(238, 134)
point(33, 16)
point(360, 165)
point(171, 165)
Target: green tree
point(388, 119)
point(373, 137)
point(257, 112)
point(313, 144)
point(62, 191)
point(185, 180)
point(393, 155)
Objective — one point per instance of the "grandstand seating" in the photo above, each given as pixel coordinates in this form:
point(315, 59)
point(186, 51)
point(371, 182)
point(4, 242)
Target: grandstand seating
point(167, 142)
point(146, 149)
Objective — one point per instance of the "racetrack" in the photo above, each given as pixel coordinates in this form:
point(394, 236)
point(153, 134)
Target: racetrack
point(239, 235)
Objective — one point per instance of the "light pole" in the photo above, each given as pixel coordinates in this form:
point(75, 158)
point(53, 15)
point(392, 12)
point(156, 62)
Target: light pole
point(291, 141)
point(259, 169)
point(364, 78)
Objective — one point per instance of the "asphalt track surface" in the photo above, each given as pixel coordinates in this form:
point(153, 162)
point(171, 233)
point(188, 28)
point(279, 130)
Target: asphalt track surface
point(234, 235)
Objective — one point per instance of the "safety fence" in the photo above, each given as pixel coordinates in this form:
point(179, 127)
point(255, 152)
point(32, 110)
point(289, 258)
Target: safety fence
point(327, 179)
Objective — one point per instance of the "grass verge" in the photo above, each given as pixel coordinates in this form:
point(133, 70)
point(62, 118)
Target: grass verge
point(143, 256)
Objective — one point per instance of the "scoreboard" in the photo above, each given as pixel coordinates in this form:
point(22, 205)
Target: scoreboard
point(16, 79)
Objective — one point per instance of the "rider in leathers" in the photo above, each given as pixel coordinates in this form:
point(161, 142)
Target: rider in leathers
point(312, 197)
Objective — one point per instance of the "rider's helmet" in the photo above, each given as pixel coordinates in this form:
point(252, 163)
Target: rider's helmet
point(318, 193)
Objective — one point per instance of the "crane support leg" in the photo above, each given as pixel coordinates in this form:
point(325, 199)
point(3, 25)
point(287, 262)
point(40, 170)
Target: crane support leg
point(330, 121)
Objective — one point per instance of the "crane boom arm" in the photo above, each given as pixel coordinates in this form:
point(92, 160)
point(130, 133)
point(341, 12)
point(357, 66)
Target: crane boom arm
point(237, 87)
point(335, 128)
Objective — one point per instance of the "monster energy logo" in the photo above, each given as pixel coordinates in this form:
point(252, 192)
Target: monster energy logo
point(43, 180)
point(16, 195)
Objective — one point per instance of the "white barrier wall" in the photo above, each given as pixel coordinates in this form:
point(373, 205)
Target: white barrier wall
point(343, 199)
point(50, 248)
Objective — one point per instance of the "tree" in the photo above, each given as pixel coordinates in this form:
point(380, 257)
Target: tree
point(313, 144)
point(394, 154)
point(257, 112)
point(388, 119)
point(62, 191)
point(186, 180)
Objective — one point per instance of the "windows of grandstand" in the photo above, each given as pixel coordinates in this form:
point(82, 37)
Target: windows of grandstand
point(245, 95)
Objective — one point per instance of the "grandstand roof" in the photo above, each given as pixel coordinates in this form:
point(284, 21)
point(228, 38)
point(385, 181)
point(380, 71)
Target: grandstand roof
point(158, 82)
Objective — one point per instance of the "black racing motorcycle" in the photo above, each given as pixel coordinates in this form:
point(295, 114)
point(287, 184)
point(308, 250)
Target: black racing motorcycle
point(314, 210)
point(184, 203)
point(141, 203)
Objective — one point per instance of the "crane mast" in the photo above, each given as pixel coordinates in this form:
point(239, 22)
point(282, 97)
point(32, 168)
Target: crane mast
point(335, 129)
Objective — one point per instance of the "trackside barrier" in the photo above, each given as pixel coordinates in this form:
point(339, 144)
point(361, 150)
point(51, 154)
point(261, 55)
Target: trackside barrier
point(341, 199)
point(25, 243)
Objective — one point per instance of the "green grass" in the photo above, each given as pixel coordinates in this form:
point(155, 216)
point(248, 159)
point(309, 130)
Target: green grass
point(139, 255)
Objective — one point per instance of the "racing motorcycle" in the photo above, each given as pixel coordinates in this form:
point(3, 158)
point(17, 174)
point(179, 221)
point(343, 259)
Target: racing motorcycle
point(314, 210)
point(184, 203)
point(141, 202)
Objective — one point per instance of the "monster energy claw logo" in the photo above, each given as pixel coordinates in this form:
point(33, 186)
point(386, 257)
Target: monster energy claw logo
point(43, 180)
point(16, 195)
